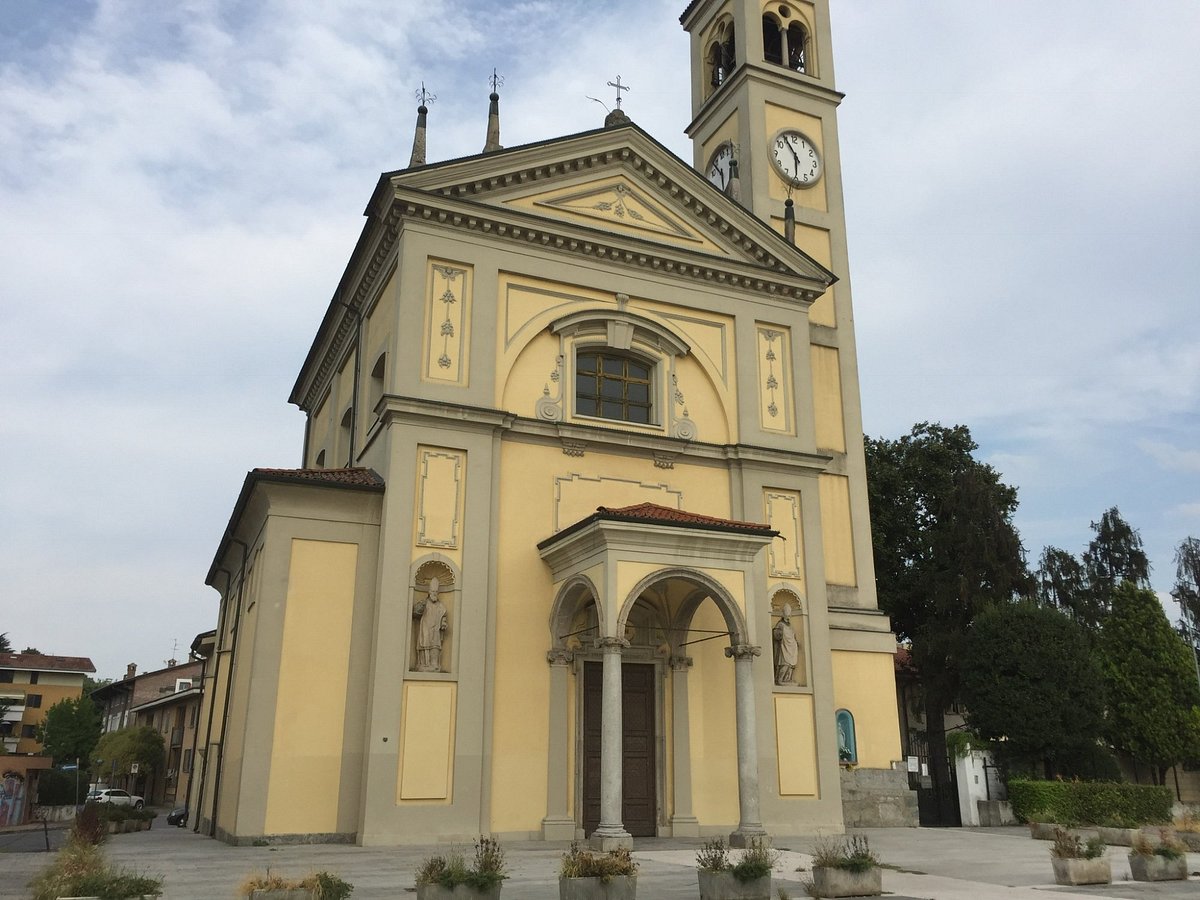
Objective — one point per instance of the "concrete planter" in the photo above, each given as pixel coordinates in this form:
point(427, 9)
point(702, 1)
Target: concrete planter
point(292, 894)
point(1117, 837)
point(1157, 868)
point(619, 887)
point(725, 886)
point(1042, 831)
point(1082, 871)
point(833, 882)
point(458, 892)
point(1191, 840)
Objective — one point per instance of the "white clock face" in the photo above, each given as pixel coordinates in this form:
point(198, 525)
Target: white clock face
point(718, 167)
point(796, 158)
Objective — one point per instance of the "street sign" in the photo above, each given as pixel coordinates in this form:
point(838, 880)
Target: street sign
point(133, 768)
point(69, 768)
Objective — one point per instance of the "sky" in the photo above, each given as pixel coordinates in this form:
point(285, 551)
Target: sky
point(182, 183)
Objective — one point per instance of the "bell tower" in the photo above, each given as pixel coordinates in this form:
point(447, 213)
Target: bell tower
point(763, 95)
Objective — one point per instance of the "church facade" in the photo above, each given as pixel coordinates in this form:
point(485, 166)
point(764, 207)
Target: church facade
point(580, 546)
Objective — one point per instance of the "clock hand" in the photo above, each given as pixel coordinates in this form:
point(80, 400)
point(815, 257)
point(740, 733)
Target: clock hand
point(796, 157)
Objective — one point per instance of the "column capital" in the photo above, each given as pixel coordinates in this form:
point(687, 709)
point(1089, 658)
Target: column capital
point(611, 643)
point(743, 651)
point(680, 663)
point(560, 656)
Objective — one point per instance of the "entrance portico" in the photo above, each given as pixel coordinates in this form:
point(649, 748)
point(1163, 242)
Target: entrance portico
point(629, 584)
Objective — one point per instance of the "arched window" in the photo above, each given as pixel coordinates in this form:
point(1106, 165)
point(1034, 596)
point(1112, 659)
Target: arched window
point(846, 738)
point(320, 462)
point(613, 385)
point(797, 48)
point(377, 380)
point(772, 40)
point(347, 423)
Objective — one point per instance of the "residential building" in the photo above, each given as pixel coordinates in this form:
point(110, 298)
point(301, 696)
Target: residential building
point(580, 544)
point(31, 683)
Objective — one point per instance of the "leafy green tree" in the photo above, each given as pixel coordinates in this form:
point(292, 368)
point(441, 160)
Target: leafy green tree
point(94, 684)
point(34, 650)
point(117, 751)
point(1153, 697)
point(70, 730)
point(945, 549)
point(1034, 687)
point(5, 646)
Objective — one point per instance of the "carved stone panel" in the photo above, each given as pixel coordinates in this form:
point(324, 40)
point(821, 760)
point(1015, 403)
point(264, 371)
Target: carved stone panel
point(447, 322)
point(441, 476)
point(775, 379)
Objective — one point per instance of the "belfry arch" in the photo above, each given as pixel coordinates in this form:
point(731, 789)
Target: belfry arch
point(629, 586)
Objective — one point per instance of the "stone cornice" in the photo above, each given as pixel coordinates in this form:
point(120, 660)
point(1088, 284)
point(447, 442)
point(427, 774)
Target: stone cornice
point(579, 440)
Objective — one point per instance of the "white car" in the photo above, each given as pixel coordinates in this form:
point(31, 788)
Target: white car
point(116, 797)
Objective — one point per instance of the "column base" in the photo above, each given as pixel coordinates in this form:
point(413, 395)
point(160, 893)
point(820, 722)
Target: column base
point(558, 829)
point(606, 839)
point(748, 836)
point(685, 826)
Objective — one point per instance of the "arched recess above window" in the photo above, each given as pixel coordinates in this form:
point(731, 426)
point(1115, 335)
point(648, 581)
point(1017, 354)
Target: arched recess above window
point(618, 366)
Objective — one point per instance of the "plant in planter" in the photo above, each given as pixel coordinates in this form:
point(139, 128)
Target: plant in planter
point(845, 868)
point(1079, 862)
point(316, 886)
point(449, 877)
point(747, 879)
point(80, 870)
point(1165, 860)
point(585, 875)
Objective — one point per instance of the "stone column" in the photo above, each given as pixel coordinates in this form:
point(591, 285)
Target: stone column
point(750, 826)
point(683, 822)
point(559, 824)
point(611, 833)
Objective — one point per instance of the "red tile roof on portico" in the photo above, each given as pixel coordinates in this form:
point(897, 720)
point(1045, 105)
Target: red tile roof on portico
point(40, 662)
point(653, 514)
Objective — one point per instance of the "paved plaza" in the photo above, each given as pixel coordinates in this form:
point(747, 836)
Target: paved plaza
point(939, 864)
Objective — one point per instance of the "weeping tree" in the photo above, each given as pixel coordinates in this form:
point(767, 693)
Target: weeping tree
point(1187, 589)
point(1083, 587)
point(945, 549)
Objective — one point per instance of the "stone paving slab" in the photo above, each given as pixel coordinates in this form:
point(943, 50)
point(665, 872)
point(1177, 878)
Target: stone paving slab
point(923, 864)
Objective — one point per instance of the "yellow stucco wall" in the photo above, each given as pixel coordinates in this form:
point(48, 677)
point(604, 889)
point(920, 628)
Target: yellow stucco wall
point(427, 742)
point(836, 529)
point(712, 724)
point(306, 757)
point(865, 684)
point(827, 399)
point(796, 745)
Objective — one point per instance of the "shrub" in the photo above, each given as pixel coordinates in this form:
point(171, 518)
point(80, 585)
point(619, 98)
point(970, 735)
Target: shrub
point(487, 870)
point(1168, 846)
point(580, 863)
point(89, 826)
point(1067, 845)
point(853, 854)
point(325, 885)
point(79, 869)
point(57, 788)
point(757, 862)
point(1091, 803)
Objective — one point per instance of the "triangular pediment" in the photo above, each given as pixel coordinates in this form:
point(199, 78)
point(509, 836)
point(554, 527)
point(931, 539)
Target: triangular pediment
point(618, 202)
point(621, 183)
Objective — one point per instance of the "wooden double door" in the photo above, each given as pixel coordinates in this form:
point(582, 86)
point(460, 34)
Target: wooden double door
point(639, 801)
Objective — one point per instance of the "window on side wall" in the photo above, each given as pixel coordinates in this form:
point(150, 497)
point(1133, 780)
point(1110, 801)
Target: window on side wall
point(614, 385)
point(33, 701)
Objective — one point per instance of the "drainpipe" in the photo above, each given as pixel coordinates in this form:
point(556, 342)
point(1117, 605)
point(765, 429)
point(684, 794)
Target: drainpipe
point(237, 616)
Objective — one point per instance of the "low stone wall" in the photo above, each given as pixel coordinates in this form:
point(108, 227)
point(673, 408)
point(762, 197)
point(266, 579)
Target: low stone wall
point(53, 813)
point(874, 798)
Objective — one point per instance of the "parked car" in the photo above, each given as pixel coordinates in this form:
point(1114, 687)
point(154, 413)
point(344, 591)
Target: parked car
point(117, 797)
point(178, 817)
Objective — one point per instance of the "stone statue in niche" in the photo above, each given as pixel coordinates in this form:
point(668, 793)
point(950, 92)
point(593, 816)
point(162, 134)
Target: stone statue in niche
point(431, 629)
point(787, 647)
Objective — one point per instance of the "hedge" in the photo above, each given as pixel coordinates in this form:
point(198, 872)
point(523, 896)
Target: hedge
point(1090, 803)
